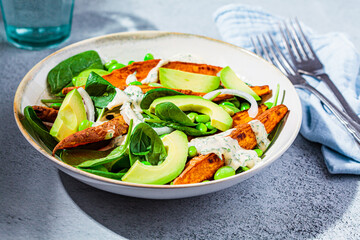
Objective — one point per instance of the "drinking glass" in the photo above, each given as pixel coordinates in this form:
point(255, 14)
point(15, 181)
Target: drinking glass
point(37, 24)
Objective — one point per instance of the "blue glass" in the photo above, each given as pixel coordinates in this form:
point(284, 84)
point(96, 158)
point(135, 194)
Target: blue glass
point(37, 24)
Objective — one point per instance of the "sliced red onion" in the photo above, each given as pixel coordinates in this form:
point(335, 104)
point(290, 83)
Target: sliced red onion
point(89, 106)
point(253, 111)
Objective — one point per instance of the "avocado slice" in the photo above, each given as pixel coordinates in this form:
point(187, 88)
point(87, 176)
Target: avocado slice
point(70, 115)
point(176, 144)
point(185, 80)
point(220, 119)
point(230, 80)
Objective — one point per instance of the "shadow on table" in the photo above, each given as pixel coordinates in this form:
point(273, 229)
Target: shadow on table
point(288, 200)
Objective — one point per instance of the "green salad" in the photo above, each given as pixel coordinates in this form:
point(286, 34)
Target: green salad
point(155, 121)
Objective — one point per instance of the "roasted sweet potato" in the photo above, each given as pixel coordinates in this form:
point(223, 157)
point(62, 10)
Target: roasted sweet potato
point(113, 128)
point(243, 116)
point(46, 114)
point(201, 167)
point(194, 68)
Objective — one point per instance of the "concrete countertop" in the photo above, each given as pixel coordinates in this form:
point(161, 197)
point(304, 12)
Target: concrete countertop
point(295, 198)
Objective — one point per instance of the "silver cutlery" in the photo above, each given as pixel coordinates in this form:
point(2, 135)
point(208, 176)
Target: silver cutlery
point(306, 61)
point(270, 51)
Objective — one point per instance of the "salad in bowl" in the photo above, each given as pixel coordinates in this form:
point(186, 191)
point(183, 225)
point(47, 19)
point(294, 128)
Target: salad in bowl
point(155, 121)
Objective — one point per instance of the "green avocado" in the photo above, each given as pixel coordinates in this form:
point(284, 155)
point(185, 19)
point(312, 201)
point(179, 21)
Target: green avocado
point(176, 144)
point(70, 115)
point(230, 80)
point(220, 119)
point(171, 78)
point(80, 80)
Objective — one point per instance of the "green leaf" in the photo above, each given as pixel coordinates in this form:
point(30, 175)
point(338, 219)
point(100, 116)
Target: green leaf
point(101, 91)
point(61, 75)
point(112, 175)
point(190, 131)
point(153, 94)
point(168, 111)
point(146, 145)
point(38, 129)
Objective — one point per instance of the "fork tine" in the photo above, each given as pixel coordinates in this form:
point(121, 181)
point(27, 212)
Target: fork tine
point(282, 57)
point(306, 42)
point(257, 50)
point(289, 38)
point(266, 53)
point(297, 40)
point(276, 60)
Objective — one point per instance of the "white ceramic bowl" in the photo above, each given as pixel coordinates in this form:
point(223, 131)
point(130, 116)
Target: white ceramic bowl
point(133, 46)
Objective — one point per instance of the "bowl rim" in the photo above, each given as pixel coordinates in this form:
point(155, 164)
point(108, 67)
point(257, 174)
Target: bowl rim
point(149, 35)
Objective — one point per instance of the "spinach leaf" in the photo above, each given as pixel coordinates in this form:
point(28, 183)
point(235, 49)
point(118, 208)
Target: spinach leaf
point(189, 130)
point(114, 155)
point(101, 91)
point(168, 111)
point(153, 94)
point(38, 129)
point(112, 175)
point(61, 75)
point(146, 145)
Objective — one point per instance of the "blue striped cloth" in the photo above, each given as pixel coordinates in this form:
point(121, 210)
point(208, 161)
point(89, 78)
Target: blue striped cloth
point(237, 23)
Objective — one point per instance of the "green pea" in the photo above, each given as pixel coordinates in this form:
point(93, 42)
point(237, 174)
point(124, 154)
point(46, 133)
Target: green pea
point(192, 151)
point(116, 66)
point(224, 172)
point(135, 83)
point(268, 104)
point(172, 183)
point(202, 118)
point(192, 116)
point(55, 105)
point(244, 106)
point(227, 104)
point(259, 152)
point(85, 124)
point(109, 63)
point(201, 127)
point(206, 181)
point(145, 163)
point(148, 56)
point(130, 62)
point(208, 125)
point(73, 80)
point(155, 85)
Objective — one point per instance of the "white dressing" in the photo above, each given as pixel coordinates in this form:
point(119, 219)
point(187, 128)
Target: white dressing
point(153, 75)
point(226, 148)
point(119, 99)
point(260, 133)
point(131, 78)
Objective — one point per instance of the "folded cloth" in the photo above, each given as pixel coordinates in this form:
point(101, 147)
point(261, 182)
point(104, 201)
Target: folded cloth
point(237, 23)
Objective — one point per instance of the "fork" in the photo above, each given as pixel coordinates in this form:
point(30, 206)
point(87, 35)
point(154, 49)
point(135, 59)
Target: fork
point(306, 61)
point(272, 53)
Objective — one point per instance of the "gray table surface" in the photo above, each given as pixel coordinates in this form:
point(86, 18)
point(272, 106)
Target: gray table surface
point(295, 198)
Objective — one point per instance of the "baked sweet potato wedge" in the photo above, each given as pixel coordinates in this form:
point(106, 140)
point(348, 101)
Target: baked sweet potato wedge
point(243, 116)
point(113, 128)
point(46, 114)
point(202, 167)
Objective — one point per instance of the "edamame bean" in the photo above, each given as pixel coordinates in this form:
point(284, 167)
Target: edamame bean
point(201, 127)
point(116, 66)
point(155, 85)
point(208, 125)
point(148, 56)
point(130, 62)
point(224, 172)
point(55, 105)
point(145, 163)
point(202, 118)
point(227, 104)
point(85, 124)
point(109, 63)
point(259, 152)
point(192, 151)
point(135, 83)
point(192, 116)
point(268, 104)
point(244, 106)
